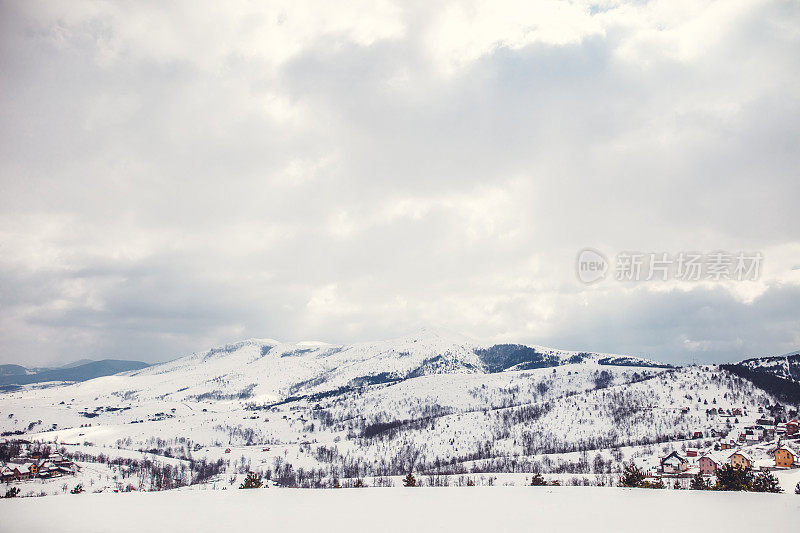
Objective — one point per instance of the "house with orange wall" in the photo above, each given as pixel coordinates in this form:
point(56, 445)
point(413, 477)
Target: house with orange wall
point(785, 457)
point(741, 459)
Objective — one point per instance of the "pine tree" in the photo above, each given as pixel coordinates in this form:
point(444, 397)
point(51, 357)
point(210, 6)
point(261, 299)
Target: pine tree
point(797, 488)
point(410, 480)
point(77, 489)
point(631, 476)
point(766, 482)
point(252, 481)
point(700, 483)
point(731, 477)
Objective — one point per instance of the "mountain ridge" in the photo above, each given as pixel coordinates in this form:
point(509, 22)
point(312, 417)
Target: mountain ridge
point(17, 375)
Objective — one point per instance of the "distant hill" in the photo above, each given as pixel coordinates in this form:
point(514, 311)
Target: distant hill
point(785, 366)
point(79, 362)
point(13, 370)
point(80, 371)
point(777, 374)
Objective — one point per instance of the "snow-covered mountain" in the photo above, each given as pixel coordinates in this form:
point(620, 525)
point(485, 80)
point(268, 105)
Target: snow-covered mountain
point(432, 401)
point(785, 366)
point(85, 369)
point(267, 370)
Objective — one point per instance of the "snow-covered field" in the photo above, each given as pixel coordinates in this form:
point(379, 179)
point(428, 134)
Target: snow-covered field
point(406, 509)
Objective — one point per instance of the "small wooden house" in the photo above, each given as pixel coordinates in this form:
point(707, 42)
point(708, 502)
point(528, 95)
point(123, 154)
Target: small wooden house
point(785, 457)
point(6, 474)
point(673, 464)
point(709, 464)
point(741, 459)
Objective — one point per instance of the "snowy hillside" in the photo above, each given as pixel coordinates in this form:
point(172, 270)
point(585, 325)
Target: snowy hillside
point(265, 370)
point(311, 413)
point(785, 366)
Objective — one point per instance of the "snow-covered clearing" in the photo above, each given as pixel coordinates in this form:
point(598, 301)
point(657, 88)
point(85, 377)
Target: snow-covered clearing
point(406, 509)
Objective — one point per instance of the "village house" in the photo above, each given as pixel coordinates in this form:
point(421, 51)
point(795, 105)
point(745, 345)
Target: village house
point(741, 459)
point(31, 468)
point(6, 474)
point(23, 467)
point(17, 473)
point(725, 445)
point(792, 427)
point(785, 457)
point(59, 460)
point(709, 464)
point(673, 464)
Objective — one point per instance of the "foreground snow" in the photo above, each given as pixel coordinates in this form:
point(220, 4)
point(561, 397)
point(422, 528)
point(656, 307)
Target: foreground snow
point(419, 509)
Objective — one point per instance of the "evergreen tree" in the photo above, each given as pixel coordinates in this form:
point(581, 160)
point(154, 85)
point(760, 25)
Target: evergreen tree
point(766, 482)
point(700, 483)
point(252, 481)
point(731, 477)
point(631, 476)
point(797, 488)
point(77, 489)
point(410, 480)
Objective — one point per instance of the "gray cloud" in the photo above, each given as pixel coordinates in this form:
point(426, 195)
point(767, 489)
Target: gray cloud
point(174, 179)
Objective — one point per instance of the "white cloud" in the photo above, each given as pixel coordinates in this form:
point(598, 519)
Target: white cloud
point(179, 176)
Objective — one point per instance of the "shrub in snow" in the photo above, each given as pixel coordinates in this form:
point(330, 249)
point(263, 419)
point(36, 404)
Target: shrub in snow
point(538, 481)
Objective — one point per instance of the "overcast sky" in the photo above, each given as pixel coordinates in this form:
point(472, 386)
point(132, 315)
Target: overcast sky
point(175, 178)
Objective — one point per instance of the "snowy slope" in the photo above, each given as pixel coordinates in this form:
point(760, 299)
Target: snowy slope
point(431, 402)
point(265, 370)
point(785, 366)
